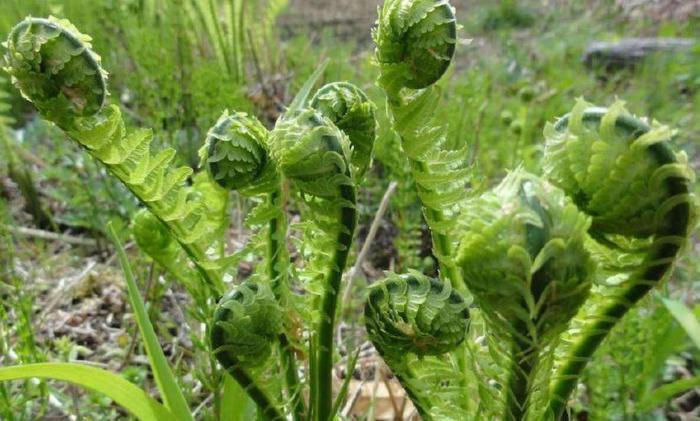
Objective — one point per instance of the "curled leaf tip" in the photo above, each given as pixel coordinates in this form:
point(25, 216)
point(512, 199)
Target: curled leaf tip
point(247, 321)
point(523, 256)
point(620, 169)
point(412, 313)
point(415, 42)
point(312, 152)
point(54, 67)
point(235, 151)
point(349, 108)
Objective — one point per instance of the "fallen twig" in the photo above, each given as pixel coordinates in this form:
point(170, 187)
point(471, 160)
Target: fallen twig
point(352, 273)
point(48, 235)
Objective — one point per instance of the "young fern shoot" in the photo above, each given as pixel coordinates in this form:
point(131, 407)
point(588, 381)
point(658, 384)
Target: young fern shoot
point(624, 173)
point(236, 156)
point(415, 43)
point(412, 316)
point(523, 258)
point(54, 67)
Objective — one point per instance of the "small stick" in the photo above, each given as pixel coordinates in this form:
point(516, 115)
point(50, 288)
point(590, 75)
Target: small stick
point(351, 275)
point(48, 235)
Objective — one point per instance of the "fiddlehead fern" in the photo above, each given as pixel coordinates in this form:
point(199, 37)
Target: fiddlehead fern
point(153, 238)
point(237, 158)
point(414, 314)
point(624, 173)
point(247, 322)
point(235, 154)
point(314, 155)
point(348, 107)
point(415, 43)
point(53, 65)
point(523, 258)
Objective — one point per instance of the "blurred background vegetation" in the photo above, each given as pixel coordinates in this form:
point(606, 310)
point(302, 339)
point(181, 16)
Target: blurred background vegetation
point(175, 65)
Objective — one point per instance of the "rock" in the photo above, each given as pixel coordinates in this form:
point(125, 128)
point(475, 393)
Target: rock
point(631, 51)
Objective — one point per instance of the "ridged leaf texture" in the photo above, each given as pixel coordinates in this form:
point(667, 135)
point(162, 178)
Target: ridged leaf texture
point(613, 166)
point(53, 66)
point(244, 335)
point(235, 152)
point(415, 42)
point(349, 108)
point(312, 152)
point(247, 322)
point(523, 256)
point(417, 314)
point(411, 318)
point(624, 172)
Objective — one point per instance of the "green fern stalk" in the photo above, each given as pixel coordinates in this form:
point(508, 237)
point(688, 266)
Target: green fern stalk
point(415, 42)
point(277, 258)
point(314, 154)
point(624, 173)
point(236, 156)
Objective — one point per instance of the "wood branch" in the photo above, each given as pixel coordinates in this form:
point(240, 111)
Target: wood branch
point(352, 273)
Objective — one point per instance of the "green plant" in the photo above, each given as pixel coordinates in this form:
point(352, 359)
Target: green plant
point(617, 205)
point(306, 149)
point(533, 274)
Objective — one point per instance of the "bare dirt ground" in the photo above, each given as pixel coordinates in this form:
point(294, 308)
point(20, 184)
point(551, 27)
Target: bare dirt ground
point(349, 15)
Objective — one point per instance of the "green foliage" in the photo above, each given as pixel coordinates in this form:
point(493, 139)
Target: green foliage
point(353, 113)
point(53, 65)
point(415, 43)
point(247, 321)
point(413, 313)
point(235, 151)
point(522, 256)
point(527, 248)
point(312, 152)
point(412, 316)
point(615, 169)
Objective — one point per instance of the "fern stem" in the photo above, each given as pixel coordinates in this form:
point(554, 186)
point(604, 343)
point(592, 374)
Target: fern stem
point(441, 242)
point(524, 355)
point(275, 260)
point(324, 367)
point(656, 266)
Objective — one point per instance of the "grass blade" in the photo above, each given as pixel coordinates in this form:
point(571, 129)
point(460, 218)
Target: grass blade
point(126, 394)
point(236, 405)
point(661, 395)
point(300, 99)
point(352, 362)
point(685, 317)
point(167, 385)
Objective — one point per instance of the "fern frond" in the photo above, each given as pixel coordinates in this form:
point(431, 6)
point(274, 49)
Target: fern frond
point(247, 323)
point(349, 108)
point(315, 156)
point(415, 43)
point(523, 258)
point(154, 239)
point(70, 92)
point(410, 318)
point(624, 173)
